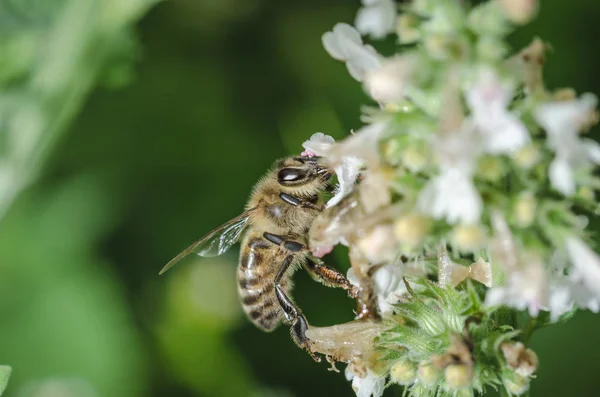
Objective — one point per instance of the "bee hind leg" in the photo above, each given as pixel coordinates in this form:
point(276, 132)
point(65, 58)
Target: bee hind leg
point(293, 315)
point(330, 277)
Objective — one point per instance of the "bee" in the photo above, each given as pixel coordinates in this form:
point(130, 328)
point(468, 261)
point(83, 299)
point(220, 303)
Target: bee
point(276, 221)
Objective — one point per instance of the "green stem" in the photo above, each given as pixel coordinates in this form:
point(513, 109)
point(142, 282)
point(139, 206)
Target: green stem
point(528, 330)
point(507, 316)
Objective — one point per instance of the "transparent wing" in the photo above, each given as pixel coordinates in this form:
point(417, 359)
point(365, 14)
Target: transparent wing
point(215, 242)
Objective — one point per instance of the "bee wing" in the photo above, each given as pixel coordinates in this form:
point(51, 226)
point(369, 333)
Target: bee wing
point(215, 242)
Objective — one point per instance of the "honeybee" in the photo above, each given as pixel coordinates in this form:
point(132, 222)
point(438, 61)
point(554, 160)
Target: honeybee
point(277, 218)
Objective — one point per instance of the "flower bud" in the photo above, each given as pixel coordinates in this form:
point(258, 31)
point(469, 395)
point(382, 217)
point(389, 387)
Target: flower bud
point(468, 238)
point(403, 372)
point(564, 94)
point(487, 20)
point(428, 374)
point(524, 209)
point(490, 168)
point(415, 158)
point(490, 48)
point(519, 11)
point(379, 244)
point(387, 83)
point(438, 46)
point(407, 29)
point(458, 376)
point(586, 193)
point(517, 385)
point(464, 393)
point(410, 230)
point(527, 156)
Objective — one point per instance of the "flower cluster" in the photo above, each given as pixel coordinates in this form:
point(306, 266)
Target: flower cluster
point(460, 200)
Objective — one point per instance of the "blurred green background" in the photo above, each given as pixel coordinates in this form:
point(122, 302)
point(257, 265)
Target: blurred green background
point(146, 126)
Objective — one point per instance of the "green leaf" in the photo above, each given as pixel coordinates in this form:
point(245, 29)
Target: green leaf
point(5, 371)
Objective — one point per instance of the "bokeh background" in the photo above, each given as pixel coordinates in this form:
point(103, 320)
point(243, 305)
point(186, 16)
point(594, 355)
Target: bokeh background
point(132, 128)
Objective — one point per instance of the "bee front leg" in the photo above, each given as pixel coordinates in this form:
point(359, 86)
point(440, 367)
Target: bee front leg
point(296, 202)
point(330, 277)
point(292, 314)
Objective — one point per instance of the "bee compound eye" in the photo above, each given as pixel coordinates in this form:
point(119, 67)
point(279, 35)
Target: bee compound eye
point(291, 175)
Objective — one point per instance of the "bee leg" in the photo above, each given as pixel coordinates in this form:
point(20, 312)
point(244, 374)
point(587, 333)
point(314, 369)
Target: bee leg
point(296, 202)
point(292, 314)
point(289, 245)
point(330, 277)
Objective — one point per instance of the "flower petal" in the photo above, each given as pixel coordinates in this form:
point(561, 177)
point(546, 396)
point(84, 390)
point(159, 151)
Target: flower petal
point(347, 174)
point(377, 19)
point(320, 144)
point(452, 196)
point(371, 385)
point(593, 150)
point(564, 117)
point(345, 44)
point(337, 41)
point(561, 176)
point(586, 262)
point(507, 135)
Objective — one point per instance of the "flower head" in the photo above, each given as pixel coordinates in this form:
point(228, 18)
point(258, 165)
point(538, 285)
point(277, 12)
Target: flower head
point(454, 188)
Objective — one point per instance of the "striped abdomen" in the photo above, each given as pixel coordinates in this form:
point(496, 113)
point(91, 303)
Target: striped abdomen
point(259, 264)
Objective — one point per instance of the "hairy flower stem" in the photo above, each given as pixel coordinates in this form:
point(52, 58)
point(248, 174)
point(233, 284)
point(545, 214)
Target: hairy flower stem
point(528, 330)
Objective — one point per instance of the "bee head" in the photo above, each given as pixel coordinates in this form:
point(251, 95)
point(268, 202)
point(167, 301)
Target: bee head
point(302, 172)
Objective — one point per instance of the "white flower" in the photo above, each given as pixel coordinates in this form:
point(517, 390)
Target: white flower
point(370, 385)
point(388, 83)
point(364, 143)
point(561, 176)
point(586, 262)
point(567, 291)
point(451, 196)
point(565, 117)
point(562, 121)
point(345, 44)
point(525, 288)
point(560, 300)
point(347, 174)
point(387, 285)
point(347, 170)
point(488, 99)
point(376, 18)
